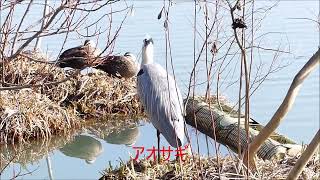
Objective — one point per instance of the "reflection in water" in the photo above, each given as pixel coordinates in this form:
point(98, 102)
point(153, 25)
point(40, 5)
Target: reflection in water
point(31, 151)
point(127, 136)
point(117, 130)
point(83, 147)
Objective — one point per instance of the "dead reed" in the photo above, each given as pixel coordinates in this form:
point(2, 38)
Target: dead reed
point(98, 94)
point(27, 114)
point(208, 169)
point(55, 101)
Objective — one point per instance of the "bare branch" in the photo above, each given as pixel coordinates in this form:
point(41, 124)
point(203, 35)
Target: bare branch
point(60, 8)
point(285, 106)
point(305, 157)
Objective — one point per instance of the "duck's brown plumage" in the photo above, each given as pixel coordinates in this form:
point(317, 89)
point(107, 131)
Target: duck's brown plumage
point(119, 66)
point(78, 57)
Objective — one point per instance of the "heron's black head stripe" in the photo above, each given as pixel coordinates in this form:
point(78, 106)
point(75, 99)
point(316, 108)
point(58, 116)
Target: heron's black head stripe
point(148, 41)
point(140, 72)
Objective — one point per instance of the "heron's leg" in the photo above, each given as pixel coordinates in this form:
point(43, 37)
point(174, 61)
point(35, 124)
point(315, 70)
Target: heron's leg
point(158, 136)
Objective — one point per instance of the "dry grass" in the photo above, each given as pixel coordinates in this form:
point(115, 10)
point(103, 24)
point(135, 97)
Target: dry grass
point(23, 71)
point(208, 169)
point(27, 114)
point(93, 94)
point(39, 112)
point(98, 94)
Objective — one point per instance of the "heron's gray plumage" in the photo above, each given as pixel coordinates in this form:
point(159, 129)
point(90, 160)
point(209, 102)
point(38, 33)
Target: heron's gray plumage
point(162, 101)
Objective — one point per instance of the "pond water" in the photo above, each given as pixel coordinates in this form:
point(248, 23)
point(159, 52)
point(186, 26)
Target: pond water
point(88, 154)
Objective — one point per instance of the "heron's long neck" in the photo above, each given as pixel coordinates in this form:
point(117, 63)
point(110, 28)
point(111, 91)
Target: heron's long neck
point(147, 56)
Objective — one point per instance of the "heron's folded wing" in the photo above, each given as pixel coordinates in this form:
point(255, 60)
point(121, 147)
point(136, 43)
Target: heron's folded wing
point(162, 101)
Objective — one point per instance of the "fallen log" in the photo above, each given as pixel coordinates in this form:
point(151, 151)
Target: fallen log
point(198, 114)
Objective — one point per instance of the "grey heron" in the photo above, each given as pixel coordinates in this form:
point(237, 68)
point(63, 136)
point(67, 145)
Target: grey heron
point(120, 66)
point(79, 57)
point(161, 98)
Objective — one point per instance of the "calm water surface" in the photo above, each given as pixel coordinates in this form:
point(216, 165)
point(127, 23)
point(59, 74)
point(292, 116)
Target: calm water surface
point(89, 154)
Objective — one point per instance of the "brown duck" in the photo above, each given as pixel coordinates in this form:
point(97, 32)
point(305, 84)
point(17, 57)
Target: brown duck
point(124, 66)
point(79, 57)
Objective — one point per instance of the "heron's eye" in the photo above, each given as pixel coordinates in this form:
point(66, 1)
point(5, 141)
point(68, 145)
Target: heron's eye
point(145, 40)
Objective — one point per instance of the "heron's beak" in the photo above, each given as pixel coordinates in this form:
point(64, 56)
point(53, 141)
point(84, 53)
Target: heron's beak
point(148, 41)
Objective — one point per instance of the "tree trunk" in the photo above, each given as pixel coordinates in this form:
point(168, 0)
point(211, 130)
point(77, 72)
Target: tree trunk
point(226, 127)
